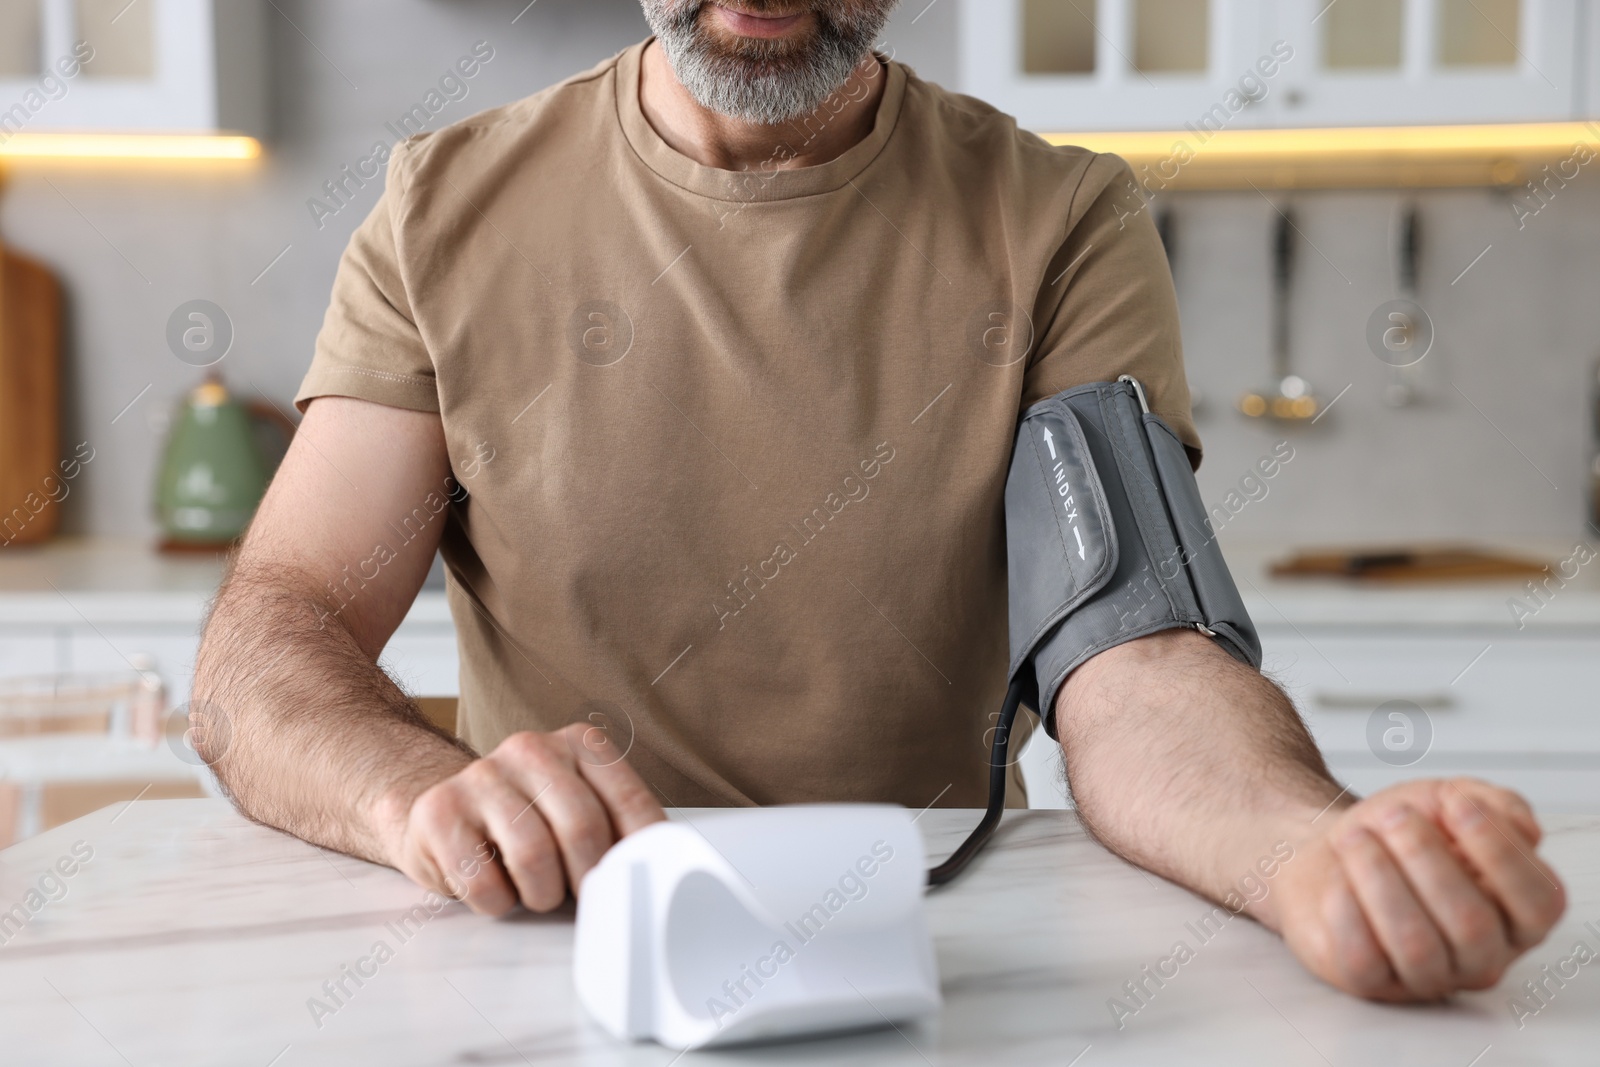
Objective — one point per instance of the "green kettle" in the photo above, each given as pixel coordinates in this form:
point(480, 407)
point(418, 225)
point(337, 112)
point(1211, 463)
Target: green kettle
point(214, 471)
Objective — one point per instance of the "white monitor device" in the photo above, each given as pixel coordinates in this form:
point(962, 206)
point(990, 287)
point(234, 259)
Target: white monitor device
point(758, 924)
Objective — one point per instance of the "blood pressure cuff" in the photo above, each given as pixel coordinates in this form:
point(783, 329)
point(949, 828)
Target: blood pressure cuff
point(1107, 540)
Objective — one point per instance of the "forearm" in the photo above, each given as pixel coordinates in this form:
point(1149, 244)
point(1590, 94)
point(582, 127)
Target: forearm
point(306, 732)
point(1189, 763)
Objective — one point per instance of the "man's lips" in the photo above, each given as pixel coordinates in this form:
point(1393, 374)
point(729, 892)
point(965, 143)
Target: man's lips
point(748, 25)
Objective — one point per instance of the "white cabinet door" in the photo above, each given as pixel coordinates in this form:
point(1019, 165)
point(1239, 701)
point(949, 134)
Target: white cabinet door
point(1205, 65)
point(30, 652)
point(1112, 64)
point(1516, 709)
point(1045, 772)
point(422, 659)
point(151, 66)
point(107, 649)
point(1427, 62)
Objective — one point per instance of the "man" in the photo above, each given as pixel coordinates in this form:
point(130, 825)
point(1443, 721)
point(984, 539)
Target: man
point(703, 369)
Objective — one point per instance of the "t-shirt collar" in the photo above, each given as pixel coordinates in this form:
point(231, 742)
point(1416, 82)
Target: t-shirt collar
point(758, 183)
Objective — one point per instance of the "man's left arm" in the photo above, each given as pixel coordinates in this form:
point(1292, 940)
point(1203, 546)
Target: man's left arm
point(1196, 767)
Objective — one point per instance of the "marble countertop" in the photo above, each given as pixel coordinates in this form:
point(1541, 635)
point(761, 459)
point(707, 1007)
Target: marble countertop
point(113, 582)
point(192, 936)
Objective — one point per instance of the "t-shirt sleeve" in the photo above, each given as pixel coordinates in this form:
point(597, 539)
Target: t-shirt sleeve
point(369, 346)
point(1107, 303)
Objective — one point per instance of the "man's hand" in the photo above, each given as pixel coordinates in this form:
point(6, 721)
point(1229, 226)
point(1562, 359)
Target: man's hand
point(1191, 764)
point(1419, 891)
point(522, 824)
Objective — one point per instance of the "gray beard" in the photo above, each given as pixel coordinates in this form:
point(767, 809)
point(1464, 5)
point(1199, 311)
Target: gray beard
point(758, 83)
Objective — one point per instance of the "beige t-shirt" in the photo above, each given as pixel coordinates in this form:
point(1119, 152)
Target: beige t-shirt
point(736, 442)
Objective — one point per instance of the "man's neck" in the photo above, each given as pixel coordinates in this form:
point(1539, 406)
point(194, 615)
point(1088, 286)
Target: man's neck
point(715, 140)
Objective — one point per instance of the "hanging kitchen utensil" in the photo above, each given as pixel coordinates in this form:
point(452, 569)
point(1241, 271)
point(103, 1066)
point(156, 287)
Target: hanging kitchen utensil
point(1594, 458)
point(31, 482)
point(213, 473)
point(1290, 398)
point(1402, 389)
point(1410, 246)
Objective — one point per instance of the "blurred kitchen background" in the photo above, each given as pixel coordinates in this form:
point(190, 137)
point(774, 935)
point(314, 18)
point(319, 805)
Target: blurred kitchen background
point(1384, 229)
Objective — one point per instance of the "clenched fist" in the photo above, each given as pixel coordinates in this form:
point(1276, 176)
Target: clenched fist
point(1418, 891)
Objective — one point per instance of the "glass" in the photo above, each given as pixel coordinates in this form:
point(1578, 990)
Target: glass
point(19, 38)
point(1171, 36)
point(122, 33)
point(1363, 35)
point(1058, 36)
point(1478, 33)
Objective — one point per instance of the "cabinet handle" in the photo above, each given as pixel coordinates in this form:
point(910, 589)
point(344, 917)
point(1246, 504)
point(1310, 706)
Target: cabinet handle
point(1436, 700)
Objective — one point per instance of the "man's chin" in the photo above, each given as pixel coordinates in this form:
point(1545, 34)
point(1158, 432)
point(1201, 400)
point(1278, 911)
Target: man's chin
point(770, 80)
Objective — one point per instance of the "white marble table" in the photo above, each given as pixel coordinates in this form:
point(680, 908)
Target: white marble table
point(194, 937)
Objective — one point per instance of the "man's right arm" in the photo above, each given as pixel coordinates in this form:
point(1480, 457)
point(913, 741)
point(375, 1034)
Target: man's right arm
point(308, 734)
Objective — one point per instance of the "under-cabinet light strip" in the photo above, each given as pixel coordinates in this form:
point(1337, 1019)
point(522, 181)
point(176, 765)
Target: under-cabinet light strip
point(129, 146)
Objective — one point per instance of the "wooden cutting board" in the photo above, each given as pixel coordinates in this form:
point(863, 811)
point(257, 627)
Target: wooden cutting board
point(1399, 565)
point(30, 400)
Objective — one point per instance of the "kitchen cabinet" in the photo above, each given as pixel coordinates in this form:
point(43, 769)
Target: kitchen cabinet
point(1077, 64)
point(170, 651)
point(1430, 62)
point(27, 653)
point(1408, 702)
point(1206, 65)
point(421, 656)
point(111, 66)
point(1483, 701)
point(1513, 707)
